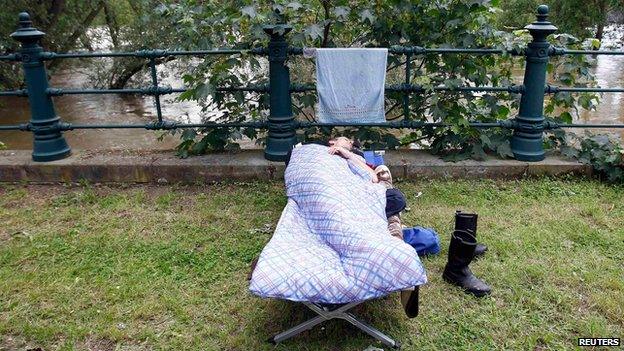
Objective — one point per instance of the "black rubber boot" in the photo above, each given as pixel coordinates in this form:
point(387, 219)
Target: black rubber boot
point(468, 221)
point(456, 272)
point(409, 300)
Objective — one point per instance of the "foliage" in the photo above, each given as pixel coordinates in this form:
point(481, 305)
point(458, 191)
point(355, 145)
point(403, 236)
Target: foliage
point(2, 146)
point(91, 25)
point(131, 25)
point(65, 23)
point(603, 152)
point(450, 23)
point(578, 17)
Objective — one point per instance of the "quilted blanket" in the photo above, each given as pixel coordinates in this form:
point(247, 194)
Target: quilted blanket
point(331, 244)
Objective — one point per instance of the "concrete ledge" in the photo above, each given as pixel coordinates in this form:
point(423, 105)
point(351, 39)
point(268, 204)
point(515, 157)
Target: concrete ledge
point(247, 165)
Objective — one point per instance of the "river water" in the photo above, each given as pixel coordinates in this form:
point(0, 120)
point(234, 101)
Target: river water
point(101, 109)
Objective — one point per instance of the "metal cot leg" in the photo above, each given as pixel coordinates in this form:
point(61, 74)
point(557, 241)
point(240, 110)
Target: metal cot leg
point(309, 324)
point(385, 339)
point(340, 313)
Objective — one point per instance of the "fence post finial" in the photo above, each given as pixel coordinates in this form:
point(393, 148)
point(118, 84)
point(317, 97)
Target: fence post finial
point(527, 139)
point(49, 143)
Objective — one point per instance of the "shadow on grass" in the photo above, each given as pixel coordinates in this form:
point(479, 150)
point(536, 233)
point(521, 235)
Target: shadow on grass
point(275, 316)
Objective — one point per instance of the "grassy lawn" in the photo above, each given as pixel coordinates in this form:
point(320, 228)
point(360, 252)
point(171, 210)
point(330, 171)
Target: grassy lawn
point(164, 268)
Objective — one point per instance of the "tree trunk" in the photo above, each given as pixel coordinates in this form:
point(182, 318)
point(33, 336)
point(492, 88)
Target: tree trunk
point(132, 69)
point(54, 12)
point(326, 30)
point(84, 41)
point(111, 21)
point(135, 7)
point(600, 31)
point(126, 74)
point(602, 22)
point(71, 40)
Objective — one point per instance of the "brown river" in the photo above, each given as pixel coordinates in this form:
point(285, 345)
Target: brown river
point(101, 109)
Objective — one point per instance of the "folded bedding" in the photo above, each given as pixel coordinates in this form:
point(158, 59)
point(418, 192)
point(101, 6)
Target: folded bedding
point(331, 244)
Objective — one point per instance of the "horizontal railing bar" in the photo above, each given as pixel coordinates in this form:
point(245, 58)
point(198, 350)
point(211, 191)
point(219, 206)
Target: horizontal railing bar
point(265, 89)
point(163, 125)
point(12, 127)
point(554, 89)
point(264, 125)
point(549, 89)
point(258, 51)
point(561, 51)
point(587, 125)
point(418, 88)
point(151, 53)
point(22, 92)
point(170, 125)
point(465, 51)
point(418, 50)
point(147, 91)
point(10, 57)
point(54, 56)
point(59, 92)
point(105, 126)
point(252, 88)
point(299, 51)
point(404, 124)
point(166, 125)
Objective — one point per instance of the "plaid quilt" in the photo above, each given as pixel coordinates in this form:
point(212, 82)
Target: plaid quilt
point(331, 244)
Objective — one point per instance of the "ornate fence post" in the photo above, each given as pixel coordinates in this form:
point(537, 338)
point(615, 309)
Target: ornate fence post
point(49, 143)
point(527, 140)
point(282, 135)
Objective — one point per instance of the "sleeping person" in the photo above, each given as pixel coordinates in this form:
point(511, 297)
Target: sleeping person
point(331, 244)
point(395, 200)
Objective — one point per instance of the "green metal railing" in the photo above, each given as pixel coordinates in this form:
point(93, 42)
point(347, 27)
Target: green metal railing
point(528, 127)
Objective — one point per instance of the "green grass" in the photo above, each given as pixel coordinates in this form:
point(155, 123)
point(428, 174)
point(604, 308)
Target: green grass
point(164, 268)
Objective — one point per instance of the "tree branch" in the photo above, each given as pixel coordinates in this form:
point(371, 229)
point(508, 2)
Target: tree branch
point(131, 70)
point(71, 40)
point(111, 21)
point(326, 4)
point(54, 12)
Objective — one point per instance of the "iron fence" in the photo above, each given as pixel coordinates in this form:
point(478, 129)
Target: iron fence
point(528, 127)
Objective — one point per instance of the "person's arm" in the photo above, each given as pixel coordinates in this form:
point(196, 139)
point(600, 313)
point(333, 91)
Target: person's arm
point(356, 159)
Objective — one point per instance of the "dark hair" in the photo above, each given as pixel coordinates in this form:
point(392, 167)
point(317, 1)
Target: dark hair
point(357, 144)
point(356, 149)
point(357, 152)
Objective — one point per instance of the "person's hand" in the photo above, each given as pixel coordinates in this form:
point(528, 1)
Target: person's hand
point(340, 151)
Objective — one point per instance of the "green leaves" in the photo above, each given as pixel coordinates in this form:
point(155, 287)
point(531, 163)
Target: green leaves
point(295, 5)
point(503, 149)
point(314, 32)
point(342, 12)
point(367, 15)
point(566, 117)
point(453, 83)
point(249, 11)
point(602, 151)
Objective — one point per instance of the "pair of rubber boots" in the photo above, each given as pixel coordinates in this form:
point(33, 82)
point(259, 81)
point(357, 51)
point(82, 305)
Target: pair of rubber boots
point(462, 250)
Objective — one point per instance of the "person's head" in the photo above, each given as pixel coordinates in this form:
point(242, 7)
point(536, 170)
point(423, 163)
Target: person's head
point(347, 143)
point(341, 141)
